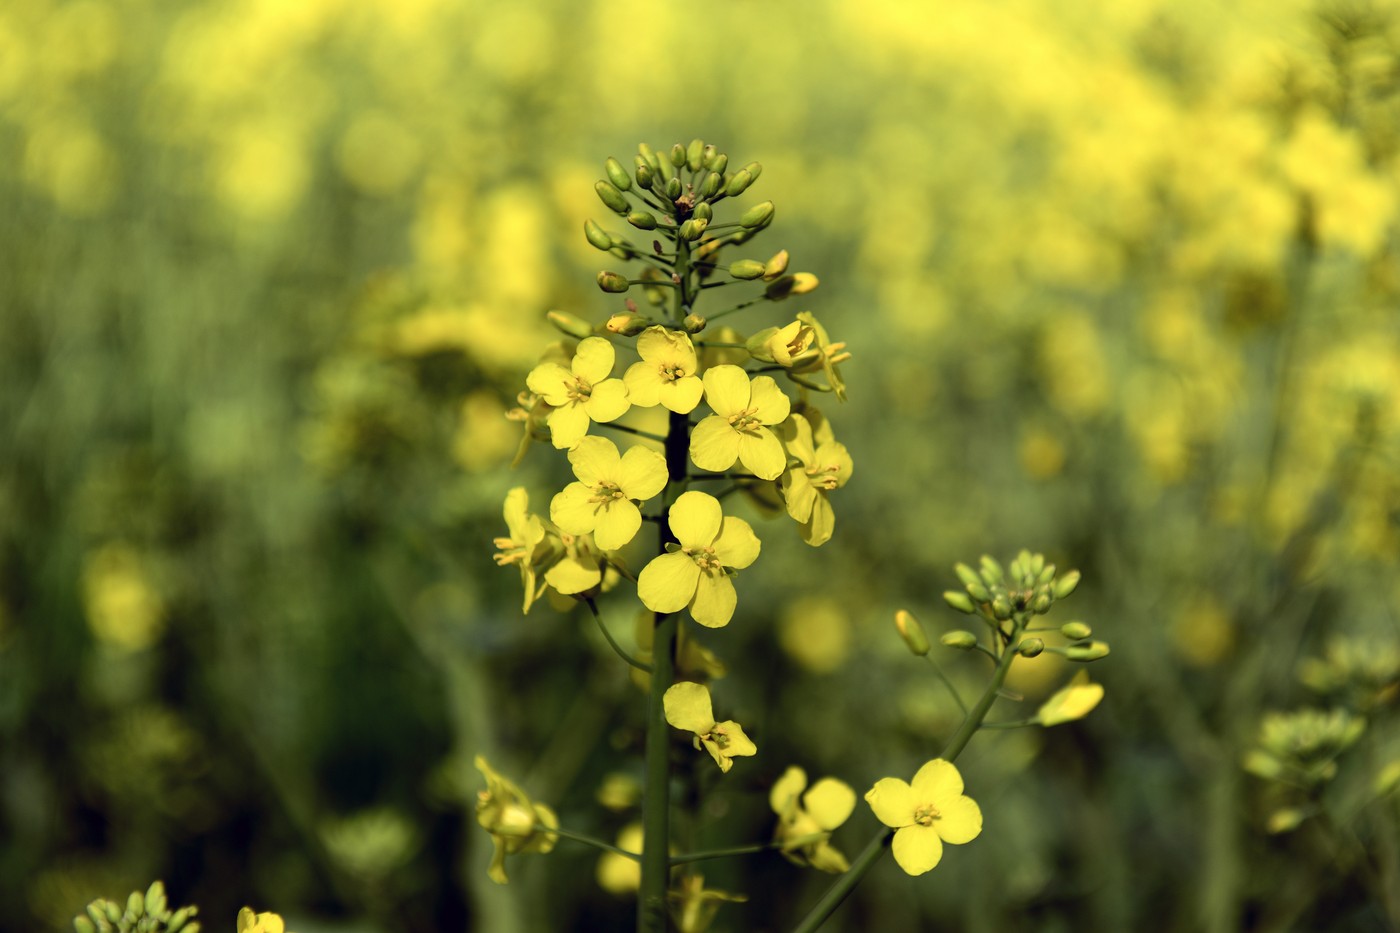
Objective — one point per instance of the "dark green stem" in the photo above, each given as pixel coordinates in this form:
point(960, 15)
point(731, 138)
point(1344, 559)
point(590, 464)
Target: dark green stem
point(613, 641)
point(743, 850)
point(589, 840)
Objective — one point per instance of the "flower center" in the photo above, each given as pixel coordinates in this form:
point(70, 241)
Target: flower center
point(926, 814)
point(823, 477)
point(744, 420)
point(719, 737)
point(606, 493)
point(511, 552)
point(580, 390)
point(672, 372)
point(704, 558)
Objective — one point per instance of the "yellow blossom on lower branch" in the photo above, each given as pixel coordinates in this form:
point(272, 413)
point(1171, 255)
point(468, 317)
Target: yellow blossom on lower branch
point(696, 571)
point(1074, 700)
point(806, 821)
point(688, 708)
point(693, 906)
point(250, 922)
point(517, 826)
point(925, 814)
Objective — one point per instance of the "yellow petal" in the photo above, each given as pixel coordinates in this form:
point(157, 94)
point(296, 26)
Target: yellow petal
point(917, 849)
point(959, 820)
point(608, 401)
point(573, 509)
point(796, 435)
point(246, 919)
point(832, 454)
point(770, 404)
point(783, 797)
point(819, 526)
point(641, 473)
point(668, 582)
point(572, 575)
point(688, 707)
point(695, 518)
point(714, 444)
point(714, 601)
point(739, 745)
point(1073, 701)
point(662, 346)
point(937, 782)
point(736, 545)
point(594, 459)
point(550, 381)
point(682, 395)
point(829, 802)
point(644, 382)
point(617, 524)
point(798, 492)
point(727, 389)
point(567, 425)
point(892, 802)
point(593, 360)
point(761, 452)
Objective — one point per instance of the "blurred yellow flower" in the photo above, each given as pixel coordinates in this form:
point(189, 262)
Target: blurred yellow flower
point(1074, 701)
point(806, 820)
point(249, 922)
point(807, 483)
point(517, 826)
point(124, 609)
point(524, 544)
point(696, 572)
point(601, 501)
point(618, 874)
point(925, 814)
point(738, 430)
point(580, 394)
point(688, 708)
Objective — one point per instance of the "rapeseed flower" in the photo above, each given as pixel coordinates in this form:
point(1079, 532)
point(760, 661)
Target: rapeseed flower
point(667, 374)
point(688, 708)
point(696, 571)
point(806, 820)
point(807, 483)
point(266, 922)
point(925, 814)
point(580, 394)
point(516, 825)
point(739, 428)
point(525, 543)
point(1073, 701)
point(601, 502)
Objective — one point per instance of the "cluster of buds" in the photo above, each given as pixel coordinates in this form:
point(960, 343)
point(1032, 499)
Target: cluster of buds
point(1300, 748)
point(1363, 672)
point(142, 913)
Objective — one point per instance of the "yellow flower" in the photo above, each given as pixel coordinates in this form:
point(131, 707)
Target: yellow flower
point(516, 825)
point(738, 428)
point(525, 544)
point(249, 922)
point(1073, 701)
point(782, 344)
point(601, 501)
point(667, 373)
point(688, 708)
point(693, 906)
point(807, 483)
point(696, 572)
point(825, 357)
point(618, 874)
point(581, 393)
point(579, 569)
point(925, 814)
point(805, 824)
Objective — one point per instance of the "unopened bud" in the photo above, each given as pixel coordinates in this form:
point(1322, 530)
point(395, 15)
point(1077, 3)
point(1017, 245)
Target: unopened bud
point(959, 601)
point(757, 216)
point(1047, 573)
point(1001, 607)
point(991, 570)
point(617, 174)
point(912, 632)
point(804, 282)
point(710, 186)
point(1090, 652)
point(612, 197)
point(627, 325)
point(677, 155)
point(692, 228)
point(694, 323)
point(966, 574)
point(647, 154)
point(1041, 603)
point(1066, 584)
point(84, 925)
point(642, 220)
point(612, 282)
point(746, 269)
point(695, 154)
point(179, 919)
point(707, 158)
point(704, 211)
point(720, 164)
point(1075, 631)
point(135, 905)
point(155, 899)
point(673, 188)
point(775, 267)
point(1030, 647)
point(645, 177)
point(754, 170)
point(738, 184)
point(597, 236)
point(569, 324)
point(960, 639)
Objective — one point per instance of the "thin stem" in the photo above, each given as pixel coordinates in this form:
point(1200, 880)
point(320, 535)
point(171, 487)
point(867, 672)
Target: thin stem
point(739, 307)
point(589, 840)
point(718, 343)
point(622, 427)
point(745, 850)
point(952, 690)
point(612, 642)
point(1011, 724)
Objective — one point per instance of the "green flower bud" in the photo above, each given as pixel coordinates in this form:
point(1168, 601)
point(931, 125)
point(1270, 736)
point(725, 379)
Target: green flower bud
point(959, 601)
point(1047, 573)
point(673, 188)
point(991, 571)
point(627, 324)
point(642, 220)
point(1066, 584)
point(617, 174)
point(135, 905)
point(569, 324)
point(959, 638)
point(609, 195)
point(114, 912)
point(193, 927)
point(754, 170)
point(710, 186)
point(1030, 647)
point(597, 236)
point(694, 323)
point(612, 282)
point(97, 910)
point(664, 169)
point(1035, 563)
point(1075, 630)
point(746, 269)
point(720, 164)
point(84, 925)
point(179, 919)
point(1090, 652)
point(692, 228)
point(912, 632)
point(646, 153)
point(155, 899)
point(775, 267)
point(1001, 607)
point(738, 184)
point(677, 155)
point(1041, 604)
point(704, 211)
point(760, 215)
point(695, 154)
point(645, 177)
point(707, 158)
point(966, 574)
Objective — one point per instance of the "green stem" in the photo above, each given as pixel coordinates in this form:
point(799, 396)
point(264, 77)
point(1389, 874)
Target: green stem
point(589, 840)
point(745, 850)
point(613, 642)
point(875, 849)
point(739, 307)
point(952, 691)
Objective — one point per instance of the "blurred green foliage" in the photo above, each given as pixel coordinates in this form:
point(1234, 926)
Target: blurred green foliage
point(1121, 283)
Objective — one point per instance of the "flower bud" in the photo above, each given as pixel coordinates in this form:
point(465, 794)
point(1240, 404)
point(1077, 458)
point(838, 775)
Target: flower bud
point(707, 158)
point(647, 154)
point(704, 211)
point(1090, 652)
point(570, 325)
point(693, 323)
point(1075, 630)
point(960, 639)
point(609, 195)
point(612, 282)
point(967, 575)
point(642, 220)
point(135, 905)
point(760, 215)
point(1041, 604)
point(720, 164)
point(84, 925)
point(695, 154)
point(617, 174)
point(746, 269)
point(673, 188)
point(677, 155)
point(775, 267)
point(664, 170)
point(597, 236)
point(97, 910)
point(626, 324)
point(155, 899)
point(178, 920)
point(1001, 607)
point(959, 601)
point(1030, 647)
point(645, 177)
point(710, 186)
point(912, 632)
point(991, 571)
point(1047, 573)
point(1066, 584)
point(692, 228)
point(738, 184)
point(754, 170)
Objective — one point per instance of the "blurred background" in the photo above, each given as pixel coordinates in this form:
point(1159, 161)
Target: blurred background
point(1120, 281)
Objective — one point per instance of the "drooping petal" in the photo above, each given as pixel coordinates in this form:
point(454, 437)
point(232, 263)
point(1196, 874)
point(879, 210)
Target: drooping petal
point(688, 707)
point(668, 582)
point(617, 524)
point(594, 459)
point(567, 425)
point(761, 452)
point(892, 802)
point(770, 403)
point(829, 802)
point(644, 382)
point(727, 389)
point(496, 871)
point(817, 530)
point(798, 492)
point(796, 435)
point(682, 395)
point(593, 360)
point(959, 820)
point(917, 849)
point(695, 519)
point(574, 510)
point(551, 382)
point(641, 473)
point(517, 511)
point(937, 782)
point(739, 745)
point(714, 601)
point(608, 401)
point(736, 545)
point(714, 444)
point(783, 797)
point(572, 575)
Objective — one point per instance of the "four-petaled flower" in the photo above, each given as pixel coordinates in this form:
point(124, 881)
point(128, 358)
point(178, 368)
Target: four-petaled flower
point(601, 501)
point(667, 373)
point(738, 430)
point(925, 814)
point(696, 572)
point(782, 344)
point(516, 824)
point(525, 543)
point(581, 393)
point(807, 483)
point(688, 708)
point(805, 821)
